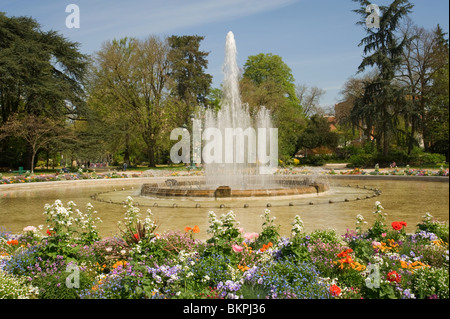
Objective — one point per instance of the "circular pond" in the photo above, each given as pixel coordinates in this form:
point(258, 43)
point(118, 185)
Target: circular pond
point(404, 199)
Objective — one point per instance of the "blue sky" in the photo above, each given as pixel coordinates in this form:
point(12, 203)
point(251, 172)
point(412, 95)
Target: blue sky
point(317, 39)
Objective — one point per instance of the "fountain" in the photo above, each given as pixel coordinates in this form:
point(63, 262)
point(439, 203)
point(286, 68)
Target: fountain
point(241, 156)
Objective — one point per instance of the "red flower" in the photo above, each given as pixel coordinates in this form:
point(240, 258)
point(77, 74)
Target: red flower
point(136, 236)
point(398, 225)
point(335, 290)
point(49, 232)
point(394, 276)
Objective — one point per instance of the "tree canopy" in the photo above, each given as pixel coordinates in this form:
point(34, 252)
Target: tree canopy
point(41, 73)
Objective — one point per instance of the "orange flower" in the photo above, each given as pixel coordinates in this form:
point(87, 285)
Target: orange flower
point(265, 247)
point(13, 242)
point(196, 229)
point(186, 229)
point(243, 268)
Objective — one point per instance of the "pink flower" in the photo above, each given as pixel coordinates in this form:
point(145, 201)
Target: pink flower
point(237, 248)
point(383, 235)
point(250, 236)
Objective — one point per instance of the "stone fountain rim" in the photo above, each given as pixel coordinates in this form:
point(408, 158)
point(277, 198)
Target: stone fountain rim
point(155, 189)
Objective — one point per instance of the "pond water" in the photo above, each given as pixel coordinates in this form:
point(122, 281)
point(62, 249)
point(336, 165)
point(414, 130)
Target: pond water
point(402, 199)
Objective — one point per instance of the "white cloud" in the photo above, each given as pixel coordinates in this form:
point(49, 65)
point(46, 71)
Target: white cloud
point(164, 16)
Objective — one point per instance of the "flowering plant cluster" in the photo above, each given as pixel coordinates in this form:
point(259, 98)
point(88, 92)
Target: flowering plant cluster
point(374, 261)
point(34, 178)
point(407, 171)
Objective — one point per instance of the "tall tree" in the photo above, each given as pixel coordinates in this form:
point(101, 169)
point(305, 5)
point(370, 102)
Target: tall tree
point(423, 56)
point(41, 73)
point(268, 81)
point(187, 71)
point(309, 98)
point(438, 113)
point(270, 68)
point(382, 99)
point(131, 78)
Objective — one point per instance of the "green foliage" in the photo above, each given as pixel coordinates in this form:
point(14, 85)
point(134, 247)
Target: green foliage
point(419, 157)
point(382, 97)
point(325, 236)
point(262, 68)
point(224, 233)
point(53, 285)
point(267, 81)
point(297, 249)
point(317, 133)
point(42, 73)
point(270, 231)
point(431, 283)
point(68, 228)
point(378, 229)
point(188, 66)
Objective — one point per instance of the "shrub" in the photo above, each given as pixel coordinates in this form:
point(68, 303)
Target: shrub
point(325, 236)
point(361, 160)
point(419, 157)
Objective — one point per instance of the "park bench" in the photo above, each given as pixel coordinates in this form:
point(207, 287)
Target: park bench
point(20, 171)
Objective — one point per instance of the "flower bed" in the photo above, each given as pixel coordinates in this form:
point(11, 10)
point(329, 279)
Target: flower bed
point(29, 178)
point(407, 171)
point(32, 178)
point(66, 258)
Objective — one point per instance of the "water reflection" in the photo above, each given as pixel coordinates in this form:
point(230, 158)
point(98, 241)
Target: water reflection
point(403, 201)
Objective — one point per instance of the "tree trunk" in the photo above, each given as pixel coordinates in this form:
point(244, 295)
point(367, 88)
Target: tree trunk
point(126, 157)
point(29, 157)
point(151, 155)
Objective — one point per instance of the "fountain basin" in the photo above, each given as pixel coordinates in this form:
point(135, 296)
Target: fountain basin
point(198, 188)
